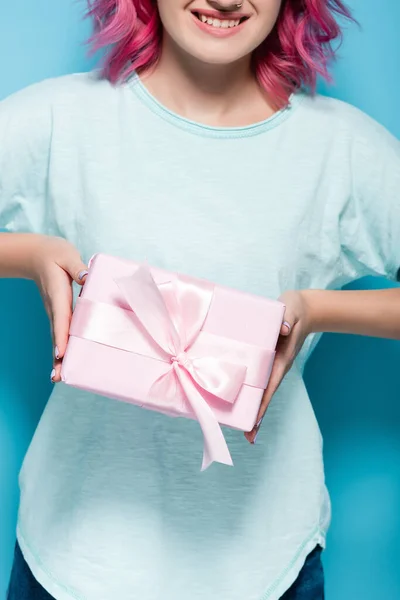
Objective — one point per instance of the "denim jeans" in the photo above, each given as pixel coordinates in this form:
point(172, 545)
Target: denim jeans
point(310, 583)
point(308, 586)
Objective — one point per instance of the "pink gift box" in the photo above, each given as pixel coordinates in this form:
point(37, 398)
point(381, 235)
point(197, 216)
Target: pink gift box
point(174, 344)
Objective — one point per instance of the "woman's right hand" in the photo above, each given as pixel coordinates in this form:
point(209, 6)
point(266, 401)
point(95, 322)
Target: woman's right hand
point(55, 264)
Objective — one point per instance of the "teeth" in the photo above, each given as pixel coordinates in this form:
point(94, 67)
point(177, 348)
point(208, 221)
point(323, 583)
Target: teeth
point(224, 23)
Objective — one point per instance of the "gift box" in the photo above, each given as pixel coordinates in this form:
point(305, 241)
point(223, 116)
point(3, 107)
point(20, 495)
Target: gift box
point(175, 344)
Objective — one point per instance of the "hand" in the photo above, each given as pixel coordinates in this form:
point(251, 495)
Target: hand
point(290, 342)
point(56, 264)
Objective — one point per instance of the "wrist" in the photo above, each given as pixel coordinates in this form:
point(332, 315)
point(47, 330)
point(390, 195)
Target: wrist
point(34, 255)
point(18, 253)
point(313, 303)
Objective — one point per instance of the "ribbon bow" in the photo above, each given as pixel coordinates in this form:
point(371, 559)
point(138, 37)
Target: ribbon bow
point(173, 314)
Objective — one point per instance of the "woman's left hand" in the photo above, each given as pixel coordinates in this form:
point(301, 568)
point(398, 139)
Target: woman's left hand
point(295, 329)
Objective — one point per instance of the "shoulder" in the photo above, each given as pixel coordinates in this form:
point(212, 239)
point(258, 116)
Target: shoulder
point(32, 115)
point(77, 90)
point(342, 121)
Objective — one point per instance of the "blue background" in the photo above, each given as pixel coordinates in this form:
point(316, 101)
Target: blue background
point(352, 381)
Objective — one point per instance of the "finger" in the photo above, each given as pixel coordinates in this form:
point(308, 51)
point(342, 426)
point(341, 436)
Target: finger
point(60, 294)
point(81, 276)
point(288, 322)
point(277, 374)
point(47, 307)
point(75, 268)
point(283, 360)
point(55, 374)
point(286, 328)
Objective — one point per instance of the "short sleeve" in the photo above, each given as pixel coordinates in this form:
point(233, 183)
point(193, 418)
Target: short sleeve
point(370, 220)
point(25, 139)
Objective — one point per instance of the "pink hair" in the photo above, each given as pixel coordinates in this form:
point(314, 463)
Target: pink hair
point(298, 49)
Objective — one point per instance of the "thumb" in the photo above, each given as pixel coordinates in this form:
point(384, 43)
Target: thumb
point(79, 272)
point(286, 327)
point(76, 269)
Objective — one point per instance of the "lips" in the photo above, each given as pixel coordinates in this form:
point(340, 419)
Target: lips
point(218, 23)
point(222, 15)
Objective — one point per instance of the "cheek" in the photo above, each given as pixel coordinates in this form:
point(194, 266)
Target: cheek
point(257, 34)
point(171, 14)
point(272, 7)
point(268, 14)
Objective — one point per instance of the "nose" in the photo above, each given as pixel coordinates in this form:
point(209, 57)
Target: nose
point(225, 5)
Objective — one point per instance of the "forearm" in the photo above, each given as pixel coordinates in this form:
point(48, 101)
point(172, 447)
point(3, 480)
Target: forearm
point(17, 251)
point(373, 313)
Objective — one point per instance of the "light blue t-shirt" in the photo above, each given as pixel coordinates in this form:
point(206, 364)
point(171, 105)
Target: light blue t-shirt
point(113, 504)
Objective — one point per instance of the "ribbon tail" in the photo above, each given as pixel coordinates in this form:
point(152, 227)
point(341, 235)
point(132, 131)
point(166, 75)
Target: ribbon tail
point(215, 446)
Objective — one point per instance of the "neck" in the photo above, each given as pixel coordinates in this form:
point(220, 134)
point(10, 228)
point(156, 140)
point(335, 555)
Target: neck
point(217, 95)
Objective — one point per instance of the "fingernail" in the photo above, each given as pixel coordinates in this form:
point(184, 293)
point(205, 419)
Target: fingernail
point(287, 325)
point(257, 428)
point(56, 352)
point(82, 274)
point(52, 374)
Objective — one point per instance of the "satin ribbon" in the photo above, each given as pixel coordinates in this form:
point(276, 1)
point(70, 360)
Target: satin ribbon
point(163, 323)
point(173, 315)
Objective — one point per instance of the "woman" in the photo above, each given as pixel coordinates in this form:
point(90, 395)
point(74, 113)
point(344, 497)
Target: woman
point(203, 150)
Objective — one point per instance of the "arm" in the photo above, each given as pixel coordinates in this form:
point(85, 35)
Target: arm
point(17, 251)
point(25, 206)
point(373, 313)
point(29, 255)
point(53, 263)
point(368, 234)
point(366, 312)
point(369, 227)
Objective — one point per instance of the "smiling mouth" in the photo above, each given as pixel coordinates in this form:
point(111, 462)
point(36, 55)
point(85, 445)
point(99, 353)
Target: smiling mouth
point(219, 23)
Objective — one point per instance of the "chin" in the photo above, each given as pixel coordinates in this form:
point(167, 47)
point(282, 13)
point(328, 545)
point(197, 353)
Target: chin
point(221, 61)
point(222, 57)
